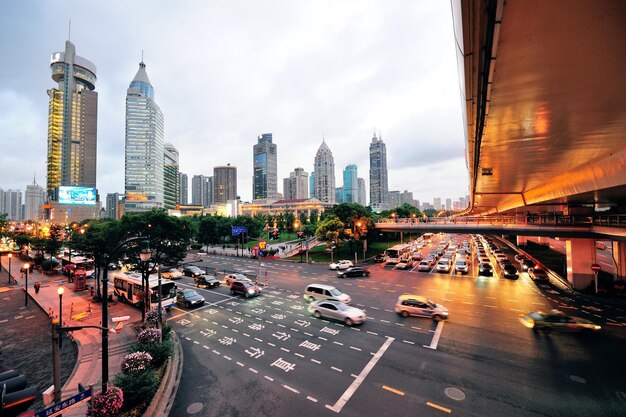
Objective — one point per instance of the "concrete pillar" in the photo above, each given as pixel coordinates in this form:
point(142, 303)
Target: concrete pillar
point(581, 253)
point(619, 254)
point(522, 241)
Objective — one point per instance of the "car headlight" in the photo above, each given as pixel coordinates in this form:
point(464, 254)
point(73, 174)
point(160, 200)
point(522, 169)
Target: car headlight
point(250, 291)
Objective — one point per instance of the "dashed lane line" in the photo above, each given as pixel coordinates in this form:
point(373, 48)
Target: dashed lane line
point(438, 407)
point(395, 391)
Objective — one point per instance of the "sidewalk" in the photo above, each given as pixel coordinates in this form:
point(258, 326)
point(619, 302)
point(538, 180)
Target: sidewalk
point(79, 310)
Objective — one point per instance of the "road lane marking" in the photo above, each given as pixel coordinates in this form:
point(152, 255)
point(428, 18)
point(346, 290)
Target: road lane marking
point(409, 342)
point(395, 391)
point(355, 348)
point(372, 333)
point(311, 399)
point(341, 402)
point(438, 407)
point(487, 305)
point(336, 369)
point(253, 370)
point(435, 341)
point(467, 302)
point(269, 378)
point(316, 361)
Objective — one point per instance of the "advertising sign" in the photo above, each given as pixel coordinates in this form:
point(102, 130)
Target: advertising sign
point(238, 230)
point(78, 196)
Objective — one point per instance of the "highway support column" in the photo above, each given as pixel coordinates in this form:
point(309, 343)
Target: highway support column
point(581, 254)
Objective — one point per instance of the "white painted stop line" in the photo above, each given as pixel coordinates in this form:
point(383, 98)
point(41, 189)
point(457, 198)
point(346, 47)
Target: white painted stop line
point(435, 341)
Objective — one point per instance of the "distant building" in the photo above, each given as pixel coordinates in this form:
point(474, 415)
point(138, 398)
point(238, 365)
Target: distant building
point(427, 206)
point(265, 168)
point(393, 199)
point(274, 207)
point(312, 185)
point(184, 189)
point(11, 204)
point(437, 203)
point(171, 177)
point(448, 204)
point(362, 196)
point(112, 208)
point(339, 195)
point(379, 184)
point(350, 184)
point(406, 197)
point(463, 203)
point(297, 185)
point(34, 198)
point(324, 174)
point(224, 183)
point(201, 190)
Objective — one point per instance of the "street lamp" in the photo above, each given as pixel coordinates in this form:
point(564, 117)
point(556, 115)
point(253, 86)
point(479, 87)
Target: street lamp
point(10, 256)
point(60, 291)
point(145, 255)
point(26, 267)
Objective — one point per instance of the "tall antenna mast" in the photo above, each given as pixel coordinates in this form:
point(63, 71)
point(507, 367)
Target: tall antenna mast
point(69, 32)
point(142, 55)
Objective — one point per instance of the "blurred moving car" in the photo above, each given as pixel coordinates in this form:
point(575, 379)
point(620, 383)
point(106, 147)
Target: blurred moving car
point(417, 305)
point(510, 271)
point(404, 264)
point(192, 271)
point(538, 274)
point(424, 266)
point(353, 271)
point(527, 264)
point(189, 298)
point(379, 258)
point(557, 320)
point(417, 256)
point(230, 278)
point(343, 264)
point(443, 265)
point(207, 281)
point(315, 292)
point(171, 273)
point(337, 310)
point(245, 288)
point(520, 257)
point(461, 266)
point(485, 269)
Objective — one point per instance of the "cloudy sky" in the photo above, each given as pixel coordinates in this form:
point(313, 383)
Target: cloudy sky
point(226, 71)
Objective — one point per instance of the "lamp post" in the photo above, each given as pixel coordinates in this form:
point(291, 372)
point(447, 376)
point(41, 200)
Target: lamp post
point(145, 255)
point(60, 291)
point(26, 267)
point(160, 324)
point(10, 256)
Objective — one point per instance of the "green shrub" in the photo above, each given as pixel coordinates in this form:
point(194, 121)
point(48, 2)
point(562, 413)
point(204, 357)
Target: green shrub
point(138, 388)
point(196, 246)
point(160, 352)
point(49, 264)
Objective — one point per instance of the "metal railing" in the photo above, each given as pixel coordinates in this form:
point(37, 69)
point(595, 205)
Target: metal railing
point(613, 220)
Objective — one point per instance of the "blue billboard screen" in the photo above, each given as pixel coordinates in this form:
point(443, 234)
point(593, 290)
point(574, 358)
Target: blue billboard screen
point(78, 196)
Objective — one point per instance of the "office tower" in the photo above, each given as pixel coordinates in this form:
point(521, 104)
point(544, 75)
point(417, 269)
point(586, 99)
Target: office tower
point(33, 200)
point(113, 201)
point(201, 190)
point(393, 199)
point(417, 204)
point(183, 198)
point(379, 185)
point(448, 204)
point(463, 203)
point(224, 183)
point(297, 185)
point(406, 197)
point(324, 174)
point(362, 196)
point(72, 122)
point(437, 203)
point(171, 179)
point(11, 204)
point(265, 168)
point(350, 184)
point(339, 195)
point(143, 184)
point(312, 185)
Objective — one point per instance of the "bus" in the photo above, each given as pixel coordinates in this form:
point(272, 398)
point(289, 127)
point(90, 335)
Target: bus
point(127, 288)
point(396, 253)
point(428, 237)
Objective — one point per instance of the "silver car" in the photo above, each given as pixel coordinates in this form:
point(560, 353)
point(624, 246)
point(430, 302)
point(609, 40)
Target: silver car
point(337, 310)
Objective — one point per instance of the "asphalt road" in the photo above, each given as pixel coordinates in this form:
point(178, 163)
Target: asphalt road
point(267, 356)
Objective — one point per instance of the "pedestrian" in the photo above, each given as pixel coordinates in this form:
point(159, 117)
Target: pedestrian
point(37, 287)
point(22, 272)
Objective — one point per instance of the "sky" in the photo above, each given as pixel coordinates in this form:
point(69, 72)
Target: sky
point(224, 72)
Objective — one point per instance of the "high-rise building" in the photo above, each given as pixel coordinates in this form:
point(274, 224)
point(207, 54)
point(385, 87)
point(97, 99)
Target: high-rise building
point(11, 204)
point(112, 209)
point(297, 185)
point(393, 199)
point(324, 174)
point(143, 184)
point(448, 204)
point(171, 179)
point(312, 185)
point(72, 122)
point(437, 203)
point(362, 195)
point(406, 197)
point(201, 190)
point(339, 195)
point(224, 184)
point(265, 168)
point(379, 184)
point(350, 184)
point(33, 200)
point(183, 198)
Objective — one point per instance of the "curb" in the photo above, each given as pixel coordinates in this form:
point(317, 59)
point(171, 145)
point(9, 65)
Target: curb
point(164, 397)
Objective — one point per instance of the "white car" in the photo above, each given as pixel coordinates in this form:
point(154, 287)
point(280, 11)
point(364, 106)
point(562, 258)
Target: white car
point(424, 266)
point(343, 264)
point(443, 265)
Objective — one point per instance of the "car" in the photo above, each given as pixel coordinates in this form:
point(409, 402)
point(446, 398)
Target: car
point(461, 266)
point(417, 305)
point(424, 266)
point(192, 271)
point(527, 264)
point(189, 298)
point(520, 257)
point(379, 258)
point(171, 273)
point(404, 264)
point(485, 269)
point(538, 274)
point(343, 264)
point(207, 281)
point(353, 271)
point(503, 262)
point(417, 256)
point(557, 320)
point(337, 310)
point(112, 266)
point(314, 292)
point(230, 278)
point(245, 288)
point(430, 259)
point(443, 265)
point(510, 271)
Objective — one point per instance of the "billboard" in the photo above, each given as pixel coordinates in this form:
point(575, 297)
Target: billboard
point(78, 196)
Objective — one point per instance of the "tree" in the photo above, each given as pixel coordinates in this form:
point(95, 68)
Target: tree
point(331, 230)
point(4, 224)
point(55, 240)
point(207, 231)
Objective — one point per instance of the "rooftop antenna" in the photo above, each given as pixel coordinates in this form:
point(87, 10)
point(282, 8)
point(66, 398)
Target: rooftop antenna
point(34, 179)
point(69, 32)
point(142, 55)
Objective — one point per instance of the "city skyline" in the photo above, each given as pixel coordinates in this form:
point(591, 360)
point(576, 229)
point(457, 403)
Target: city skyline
point(381, 68)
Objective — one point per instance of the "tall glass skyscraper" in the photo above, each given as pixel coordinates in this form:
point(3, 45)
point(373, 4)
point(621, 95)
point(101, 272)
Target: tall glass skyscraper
point(265, 168)
point(183, 197)
point(72, 122)
point(324, 174)
point(379, 185)
point(350, 184)
point(171, 179)
point(144, 146)
point(224, 183)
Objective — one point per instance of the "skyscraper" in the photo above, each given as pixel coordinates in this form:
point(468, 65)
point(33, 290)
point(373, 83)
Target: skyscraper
point(437, 203)
point(393, 199)
point(265, 168)
point(350, 184)
point(362, 196)
point(201, 190)
point(171, 179)
point(184, 189)
point(312, 184)
point(113, 201)
point(224, 183)
point(324, 174)
point(297, 185)
point(72, 122)
point(379, 186)
point(143, 184)
point(33, 200)
point(11, 204)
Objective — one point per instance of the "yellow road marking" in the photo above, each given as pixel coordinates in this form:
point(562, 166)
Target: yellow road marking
point(438, 407)
point(395, 391)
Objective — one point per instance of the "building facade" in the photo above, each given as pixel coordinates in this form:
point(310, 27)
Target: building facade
point(11, 204)
point(297, 185)
point(112, 210)
point(362, 195)
point(379, 184)
point(406, 197)
point(393, 199)
point(265, 168)
point(143, 185)
point(324, 167)
point(72, 122)
point(201, 190)
point(437, 203)
point(34, 198)
point(312, 185)
point(350, 184)
point(183, 197)
point(297, 207)
point(171, 177)
point(339, 195)
point(224, 184)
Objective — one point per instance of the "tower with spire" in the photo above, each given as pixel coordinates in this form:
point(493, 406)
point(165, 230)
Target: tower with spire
point(324, 174)
point(143, 182)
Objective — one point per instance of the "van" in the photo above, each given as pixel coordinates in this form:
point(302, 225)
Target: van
point(314, 292)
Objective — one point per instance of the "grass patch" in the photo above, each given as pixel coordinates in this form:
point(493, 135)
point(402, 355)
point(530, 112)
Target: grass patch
point(319, 255)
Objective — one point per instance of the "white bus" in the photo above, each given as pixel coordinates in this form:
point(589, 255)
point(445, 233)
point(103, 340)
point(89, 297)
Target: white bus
point(396, 253)
point(127, 288)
